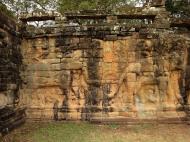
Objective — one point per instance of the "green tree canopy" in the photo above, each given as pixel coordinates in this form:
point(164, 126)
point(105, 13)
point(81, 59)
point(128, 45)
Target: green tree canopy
point(4, 9)
point(62, 6)
point(18, 6)
point(181, 7)
point(73, 5)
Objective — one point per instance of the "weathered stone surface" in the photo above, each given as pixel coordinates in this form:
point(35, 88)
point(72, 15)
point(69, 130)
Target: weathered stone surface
point(10, 78)
point(10, 62)
point(113, 75)
point(102, 67)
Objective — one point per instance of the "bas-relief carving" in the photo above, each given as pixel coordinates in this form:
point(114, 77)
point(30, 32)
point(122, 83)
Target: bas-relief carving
point(130, 77)
point(143, 73)
point(145, 92)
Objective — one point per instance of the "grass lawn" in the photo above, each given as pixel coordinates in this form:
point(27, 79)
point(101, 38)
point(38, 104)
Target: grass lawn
point(85, 132)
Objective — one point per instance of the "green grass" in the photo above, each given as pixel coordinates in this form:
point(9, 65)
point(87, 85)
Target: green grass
point(85, 132)
point(73, 132)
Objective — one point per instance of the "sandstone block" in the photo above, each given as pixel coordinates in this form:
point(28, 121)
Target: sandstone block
point(71, 66)
point(51, 42)
point(39, 42)
point(11, 86)
point(42, 67)
point(52, 61)
point(46, 82)
point(111, 37)
point(188, 99)
point(147, 67)
point(42, 74)
point(131, 77)
point(148, 80)
point(188, 71)
point(31, 67)
point(3, 100)
point(10, 97)
point(131, 57)
point(56, 67)
point(134, 68)
point(163, 83)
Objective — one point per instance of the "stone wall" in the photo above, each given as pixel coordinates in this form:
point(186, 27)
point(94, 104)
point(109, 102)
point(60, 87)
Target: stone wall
point(93, 65)
point(108, 70)
point(10, 61)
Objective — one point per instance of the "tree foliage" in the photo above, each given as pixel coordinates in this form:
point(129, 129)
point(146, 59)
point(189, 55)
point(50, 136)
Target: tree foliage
point(18, 6)
point(73, 5)
point(181, 7)
point(62, 6)
point(4, 9)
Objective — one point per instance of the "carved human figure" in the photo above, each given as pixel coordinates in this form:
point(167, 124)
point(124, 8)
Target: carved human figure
point(76, 91)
